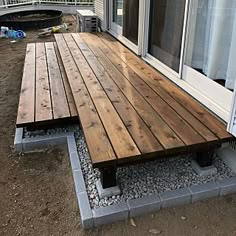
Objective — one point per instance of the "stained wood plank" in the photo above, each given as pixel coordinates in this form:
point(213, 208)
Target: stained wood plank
point(27, 94)
point(59, 101)
point(156, 79)
point(43, 108)
point(160, 129)
point(187, 134)
point(120, 138)
point(140, 82)
point(99, 146)
point(69, 95)
point(141, 134)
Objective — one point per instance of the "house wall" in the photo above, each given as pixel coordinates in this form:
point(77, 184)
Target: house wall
point(100, 9)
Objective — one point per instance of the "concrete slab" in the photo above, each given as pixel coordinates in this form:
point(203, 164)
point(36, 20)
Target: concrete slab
point(145, 205)
point(203, 171)
point(107, 192)
point(74, 161)
point(18, 140)
point(79, 181)
point(204, 191)
point(175, 198)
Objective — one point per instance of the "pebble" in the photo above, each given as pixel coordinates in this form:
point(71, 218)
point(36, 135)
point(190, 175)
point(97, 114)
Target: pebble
point(155, 231)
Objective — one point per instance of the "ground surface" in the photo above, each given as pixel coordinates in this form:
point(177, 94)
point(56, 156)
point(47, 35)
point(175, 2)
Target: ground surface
point(37, 193)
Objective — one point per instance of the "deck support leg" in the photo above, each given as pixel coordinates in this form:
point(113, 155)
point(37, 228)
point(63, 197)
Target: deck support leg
point(205, 157)
point(108, 177)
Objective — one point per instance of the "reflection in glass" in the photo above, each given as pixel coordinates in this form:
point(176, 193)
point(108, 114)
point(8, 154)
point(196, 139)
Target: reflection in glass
point(118, 12)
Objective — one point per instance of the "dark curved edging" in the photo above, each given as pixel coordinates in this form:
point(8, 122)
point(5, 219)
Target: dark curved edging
point(127, 209)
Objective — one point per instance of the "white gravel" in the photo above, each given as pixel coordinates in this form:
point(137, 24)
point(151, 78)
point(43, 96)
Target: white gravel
point(147, 178)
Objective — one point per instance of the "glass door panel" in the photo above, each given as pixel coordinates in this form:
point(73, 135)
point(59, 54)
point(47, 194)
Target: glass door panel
point(118, 12)
point(166, 30)
point(210, 53)
point(130, 20)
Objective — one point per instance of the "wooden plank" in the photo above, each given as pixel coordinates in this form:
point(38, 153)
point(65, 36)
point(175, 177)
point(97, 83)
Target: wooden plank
point(27, 94)
point(120, 138)
point(156, 79)
point(187, 134)
point(139, 131)
point(43, 107)
point(69, 95)
point(99, 146)
point(59, 101)
point(160, 129)
point(138, 82)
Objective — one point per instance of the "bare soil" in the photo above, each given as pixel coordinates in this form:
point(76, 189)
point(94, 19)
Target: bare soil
point(37, 193)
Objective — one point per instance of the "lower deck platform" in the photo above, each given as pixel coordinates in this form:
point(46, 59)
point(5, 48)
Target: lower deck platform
point(128, 111)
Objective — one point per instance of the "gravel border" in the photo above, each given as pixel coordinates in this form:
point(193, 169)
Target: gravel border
point(123, 209)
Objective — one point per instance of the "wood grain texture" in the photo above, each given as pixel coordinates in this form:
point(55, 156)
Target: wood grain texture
point(27, 93)
point(43, 106)
point(98, 143)
point(59, 102)
point(120, 138)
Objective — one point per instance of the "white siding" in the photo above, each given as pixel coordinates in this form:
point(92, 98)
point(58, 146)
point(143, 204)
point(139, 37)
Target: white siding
point(100, 10)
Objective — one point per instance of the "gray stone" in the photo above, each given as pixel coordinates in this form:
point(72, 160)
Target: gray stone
point(228, 155)
point(74, 160)
point(18, 140)
point(111, 214)
point(71, 144)
point(227, 186)
point(79, 181)
point(108, 192)
point(86, 214)
point(176, 197)
point(204, 191)
point(34, 144)
point(203, 171)
point(144, 205)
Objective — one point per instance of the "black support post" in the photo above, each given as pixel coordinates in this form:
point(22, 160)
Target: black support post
point(108, 177)
point(205, 157)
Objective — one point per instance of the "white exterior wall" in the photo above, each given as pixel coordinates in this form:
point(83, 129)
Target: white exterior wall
point(101, 10)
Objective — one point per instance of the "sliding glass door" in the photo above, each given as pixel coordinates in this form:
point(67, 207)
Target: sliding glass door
point(210, 54)
point(124, 21)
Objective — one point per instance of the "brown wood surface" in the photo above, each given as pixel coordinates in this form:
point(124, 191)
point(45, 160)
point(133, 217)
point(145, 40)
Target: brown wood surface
point(156, 79)
point(27, 93)
point(69, 95)
point(59, 101)
point(120, 138)
point(98, 143)
point(139, 131)
point(182, 129)
point(43, 107)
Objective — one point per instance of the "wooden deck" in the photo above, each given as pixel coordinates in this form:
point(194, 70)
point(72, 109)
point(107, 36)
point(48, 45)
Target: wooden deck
point(128, 111)
point(45, 96)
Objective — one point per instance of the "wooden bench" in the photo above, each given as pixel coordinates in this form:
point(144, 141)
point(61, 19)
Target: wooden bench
point(128, 111)
point(45, 96)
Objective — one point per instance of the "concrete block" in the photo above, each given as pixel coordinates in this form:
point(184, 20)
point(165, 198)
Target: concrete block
point(111, 214)
point(227, 186)
point(228, 156)
point(176, 197)
point(33, 144)
point(56, 140)
point(204, 191)
point(18, 140)
point(144, 205)
point(74, 161)
point(107, 192)
point(71, 144)
point(86, 214)
point(203, 171)
point(79, 181)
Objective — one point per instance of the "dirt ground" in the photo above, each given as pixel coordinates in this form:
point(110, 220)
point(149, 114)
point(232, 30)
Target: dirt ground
point(36, 190)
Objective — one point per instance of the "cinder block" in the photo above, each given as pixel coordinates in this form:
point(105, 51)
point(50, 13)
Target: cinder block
point(71, 144)
point(79, 181)
point(176, 197)
point(18, 140)
point(227, 186)
point(204, 191)
point(74, 160)
point(203, 171)
point(107, 192)
point(144, 205)
point(228, 156)
point(86, 214)
point(110, 214)
point(56, 140)
point(35, 144)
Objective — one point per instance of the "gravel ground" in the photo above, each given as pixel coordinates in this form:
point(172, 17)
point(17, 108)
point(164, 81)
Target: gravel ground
point(147, 178)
